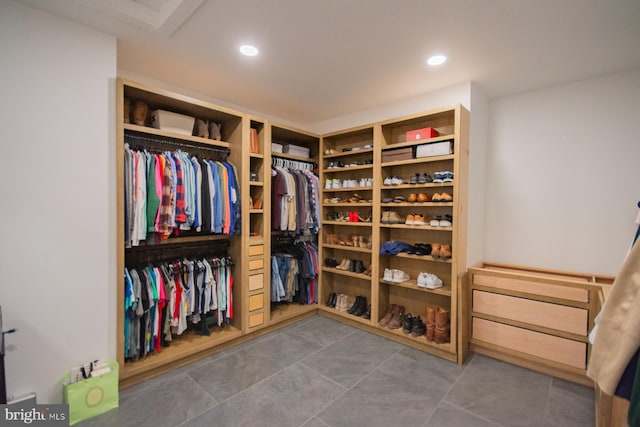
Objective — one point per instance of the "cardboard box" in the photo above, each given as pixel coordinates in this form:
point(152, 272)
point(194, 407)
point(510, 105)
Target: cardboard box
point(418, 134)
point(434, 149)
point(398, 154)
point(276, 148)
point(172, 122)
point(296, 150)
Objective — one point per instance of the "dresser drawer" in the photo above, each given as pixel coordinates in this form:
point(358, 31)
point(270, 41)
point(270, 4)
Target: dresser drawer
point(256, 250)
point(549, 347)
point(256, 302)
point(256, 264)
point(256, 320)
point(256, 281)
point(554, 316)
point(531, 287)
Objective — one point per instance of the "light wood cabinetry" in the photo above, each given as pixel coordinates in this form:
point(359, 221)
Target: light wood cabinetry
point(533, 317)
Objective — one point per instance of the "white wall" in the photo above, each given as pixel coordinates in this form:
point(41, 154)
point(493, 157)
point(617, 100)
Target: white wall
point(564, 176)
point(57, 251)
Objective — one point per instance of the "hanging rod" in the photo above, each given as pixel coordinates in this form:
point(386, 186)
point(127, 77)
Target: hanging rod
point(161, 144)
point(294, 164)
point(160, 253)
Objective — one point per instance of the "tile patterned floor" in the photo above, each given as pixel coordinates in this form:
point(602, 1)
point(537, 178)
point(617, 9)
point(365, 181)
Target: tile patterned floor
point(319, 373)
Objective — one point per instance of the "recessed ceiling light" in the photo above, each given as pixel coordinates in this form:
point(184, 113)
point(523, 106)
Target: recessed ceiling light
point(248, 50)
point(436, 60)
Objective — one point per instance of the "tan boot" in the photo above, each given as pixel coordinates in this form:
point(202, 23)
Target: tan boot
point(435, 250)
point(442, 334)
point(431, 323)
point(396, 319)
point(445, 251)
point(387, 317)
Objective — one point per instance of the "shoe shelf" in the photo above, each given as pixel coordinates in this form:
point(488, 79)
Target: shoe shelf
point(421, 340)
point(256, 211)
point(347, 248)
point(346, 273)
point(405, 204)
point(420, 160)
point(256, 155)
point(357, 224)
point(256, 183)
point(347, 168)
point(416, 227)
point(427, 185)
point(421, 257)
point(347, 204)
point(344, 314)
point(413, 285)
point(327, 190)
point(348, 153)
point(418, 142)
point(291, 157)
point(173, 135)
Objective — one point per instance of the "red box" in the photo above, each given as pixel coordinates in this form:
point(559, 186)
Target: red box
point(418, 134)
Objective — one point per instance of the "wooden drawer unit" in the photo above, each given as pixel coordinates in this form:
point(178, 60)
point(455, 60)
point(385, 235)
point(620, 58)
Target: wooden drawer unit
point(256, 281)
point(256, 264)
point(256, 250)
point(536, 318)
point(256, 302)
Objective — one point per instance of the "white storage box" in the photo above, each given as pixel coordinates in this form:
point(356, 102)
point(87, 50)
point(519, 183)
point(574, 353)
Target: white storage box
point(172, 122)
point(434, 149)
point(296, 150)
point(276, 148)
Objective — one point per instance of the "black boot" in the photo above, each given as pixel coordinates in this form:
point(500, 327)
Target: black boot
point(359, 267)
point(362, 308)
point(331, 299)
point(407, 323)
point(352, 265)
point(355, 305)
point(419, 328)
point(367, 314)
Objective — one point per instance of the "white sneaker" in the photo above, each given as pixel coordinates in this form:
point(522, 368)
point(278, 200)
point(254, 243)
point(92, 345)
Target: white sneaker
point(363, 182)
point(432, 281)
point(388, 180)
point(328, 184)
point(369, 182)
point(396, 180)
point(422, 280)
point(400, 276)
point(353, 183)
point(337, 183)
point(388, 275)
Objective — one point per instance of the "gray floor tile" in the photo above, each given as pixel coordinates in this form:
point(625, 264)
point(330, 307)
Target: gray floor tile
point(350, 359)
point(448, 415)
point(570, 405)
point(400, 392)
point(233, 373)
point(323, 331)
point(165, 404)
point(444, 368)
point(503, 393)
point(288, 398)
point(315, 422)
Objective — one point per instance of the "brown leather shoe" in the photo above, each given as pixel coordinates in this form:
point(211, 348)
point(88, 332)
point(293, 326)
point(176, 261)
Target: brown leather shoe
point(445, 251)
point(412, 197)
point(422, 197)
point(387, 317)
point(435, 250)
point(396, 319)
point(446, 197)
point(431, 323)
point(436, 197)
point(409, 220)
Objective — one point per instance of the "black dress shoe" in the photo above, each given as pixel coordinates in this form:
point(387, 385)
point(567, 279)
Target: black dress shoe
point(330, 262)
point(422, 248)
point(419, 328)
point(367, 314)
point(352, 265)
point(359, 267)
point(407, 323)
point(362, 307)
point(355, 305)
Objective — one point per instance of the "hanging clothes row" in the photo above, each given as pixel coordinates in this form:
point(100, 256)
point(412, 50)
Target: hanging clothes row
point(162, 300)
point(295, 201)
point(171, 192)
point(294, 273)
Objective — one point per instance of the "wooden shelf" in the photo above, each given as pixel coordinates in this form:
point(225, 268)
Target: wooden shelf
point(186, 239)
point(346, 273)
point(292, 157)
point(413, 285)
point(420, 257)
point(184, 345)
point(256, 183)
point(347, 168)
point(422, 340)
point(347, 248)
point(433, 204)
point(256, 155)
point(327, 190)
point(345, 314)
point(420, 160)
point(158, 132)
point(348, 153)
point(427, 185)
point(256, 211)
point(356, 224)
point(347, 204)
point(416, 227)
point(418, 142)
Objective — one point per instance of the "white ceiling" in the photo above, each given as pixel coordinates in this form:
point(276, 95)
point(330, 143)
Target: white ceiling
point(324, 59)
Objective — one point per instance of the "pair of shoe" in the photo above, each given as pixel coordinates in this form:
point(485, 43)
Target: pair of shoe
point(420, 249)
point(352, 265)
point(429, 281)
point(390, 217)
point(413, 325)
point(395, 276)
point(445, 176)
point(331, 262)
point(359, 306)
point(420, 178)
point(340, 302)
point(442, 197)
point(393, 318)
point(438, 326)
point(415, 219)
point(329, 151)
point(420, 198)
point(335, 164)
point(441, 251)
point(393, 180)
point(441, 221)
